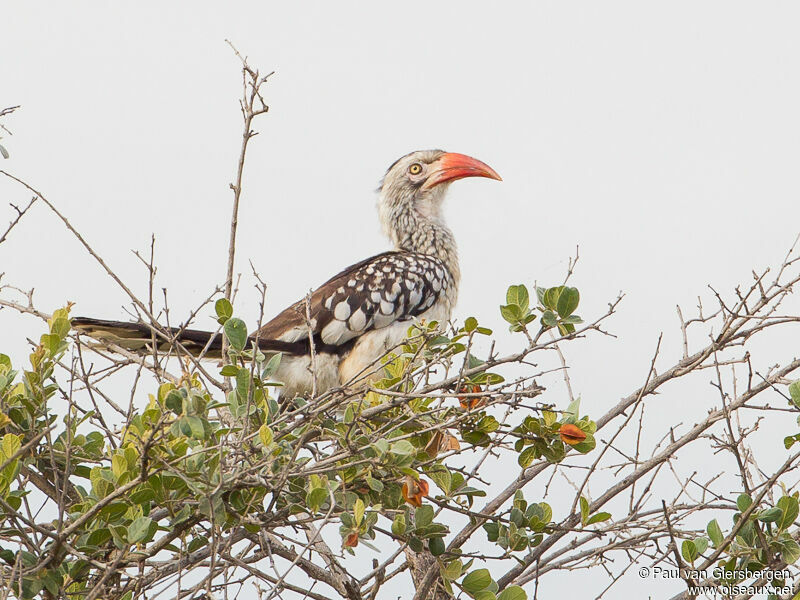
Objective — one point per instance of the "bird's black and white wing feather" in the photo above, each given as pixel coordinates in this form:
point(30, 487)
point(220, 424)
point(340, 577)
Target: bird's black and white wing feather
point(373, 294)
point(388, 288)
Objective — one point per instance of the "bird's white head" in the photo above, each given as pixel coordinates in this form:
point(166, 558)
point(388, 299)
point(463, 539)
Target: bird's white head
point(412, 192)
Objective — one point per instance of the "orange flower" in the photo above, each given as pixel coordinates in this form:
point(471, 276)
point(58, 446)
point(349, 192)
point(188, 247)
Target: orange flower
point(414, 491)
point(470, 402)
point(351, 541)
point(571, 434)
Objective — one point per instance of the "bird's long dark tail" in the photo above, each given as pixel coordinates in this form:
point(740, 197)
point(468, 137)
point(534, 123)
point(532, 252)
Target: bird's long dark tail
point(140, 338)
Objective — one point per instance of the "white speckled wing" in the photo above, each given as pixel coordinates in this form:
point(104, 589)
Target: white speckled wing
point(373, 294)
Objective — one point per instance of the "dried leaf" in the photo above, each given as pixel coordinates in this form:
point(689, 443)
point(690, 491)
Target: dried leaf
point(571, 434)
point(414, 491)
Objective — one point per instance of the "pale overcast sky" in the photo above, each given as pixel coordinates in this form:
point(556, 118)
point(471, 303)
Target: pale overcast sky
point(662, 138)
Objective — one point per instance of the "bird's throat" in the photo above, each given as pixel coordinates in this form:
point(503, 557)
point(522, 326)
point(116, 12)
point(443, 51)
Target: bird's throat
point(417, 232)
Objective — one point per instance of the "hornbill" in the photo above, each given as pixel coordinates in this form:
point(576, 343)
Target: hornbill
point(358, 315)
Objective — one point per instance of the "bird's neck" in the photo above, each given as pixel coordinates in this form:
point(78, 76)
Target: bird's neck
point(415, 231)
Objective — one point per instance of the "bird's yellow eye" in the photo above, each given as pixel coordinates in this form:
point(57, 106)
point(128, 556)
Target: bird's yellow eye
point(415, 169)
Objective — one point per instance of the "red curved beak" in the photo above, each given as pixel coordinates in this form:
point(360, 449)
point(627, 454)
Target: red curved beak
point(452, 166)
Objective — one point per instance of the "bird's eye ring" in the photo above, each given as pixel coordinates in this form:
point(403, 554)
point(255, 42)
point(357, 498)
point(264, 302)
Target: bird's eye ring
point(415, 169)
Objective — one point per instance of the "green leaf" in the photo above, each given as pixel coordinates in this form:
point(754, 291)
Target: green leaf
point(119, 466)
point(9, 557)
point(272, 366)
point(794, 392)
point(14, 501)
point(381, 446)
point(194, 426)
point(243, 384)
point(790, 551)
point(689, 551)
point(403, 448)
point(4, 152)
point(9, 446)
point(470, 492)
point(488, 424)
point(511, 313)
point(714, 533)
point(541, 511)
point(513, 592)
point(399, 524)
point(443, 479)
point(572, 320)
point(358, 511)
point(789, 508)
point(598, 518)
point(174, 402)
point(747, 534)
point(114, 511)
point(59, 326)
point(743, 502)
point(452, 570)
point(526, 457)
point(551, 296)
point(549, 319)
point(470, 324)
point(229, 371)
point(584, 510)
point(566, 329)
point(50, 342)
point(701, 544)
point(436, 546)
point(770, 515)
point(574, 408)
point(236, 332)
point(139, 529)
point(265, 435)
point(476, 581)
point(315, 498)
point(376, 485)
point(432, 530)
point(52, 581)
point(423, 516)
point(567, 301)
point(98, 537)
point(518, 295)
point(198, 542)
point(224, 310)
point(586, 445)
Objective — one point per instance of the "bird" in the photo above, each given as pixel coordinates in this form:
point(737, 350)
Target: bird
point(361, 313)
